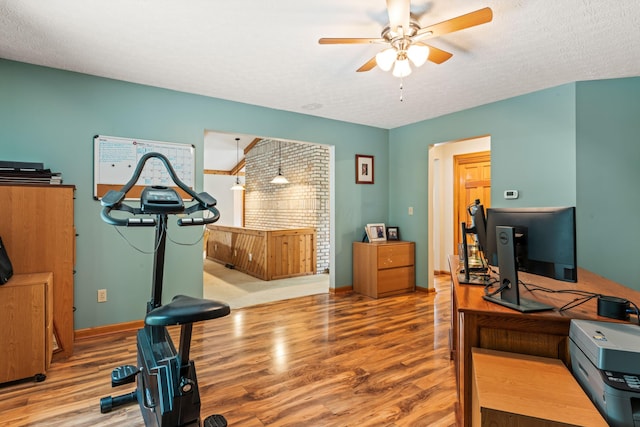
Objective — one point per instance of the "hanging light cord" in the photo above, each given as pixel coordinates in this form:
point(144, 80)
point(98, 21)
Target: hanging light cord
point(237, 169)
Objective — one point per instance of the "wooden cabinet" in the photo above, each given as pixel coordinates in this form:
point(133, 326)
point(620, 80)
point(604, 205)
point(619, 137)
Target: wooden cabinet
point(26, 332)
point(37, 228)
point(511, 389)
point(383, 268)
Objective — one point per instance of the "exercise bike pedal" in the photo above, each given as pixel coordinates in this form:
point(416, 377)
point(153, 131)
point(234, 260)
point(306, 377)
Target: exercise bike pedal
point(123, 375)
point(215, 421)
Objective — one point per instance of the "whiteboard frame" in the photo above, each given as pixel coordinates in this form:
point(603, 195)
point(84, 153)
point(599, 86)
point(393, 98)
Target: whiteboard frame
point(115, 159)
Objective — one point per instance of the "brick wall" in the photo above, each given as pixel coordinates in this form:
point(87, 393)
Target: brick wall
point(304, 202)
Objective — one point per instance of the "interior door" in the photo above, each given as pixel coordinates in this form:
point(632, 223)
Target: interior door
point(472, 180)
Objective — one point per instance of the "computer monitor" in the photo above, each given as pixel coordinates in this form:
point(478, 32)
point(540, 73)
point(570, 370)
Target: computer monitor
point(480, 222)
point(545, 240)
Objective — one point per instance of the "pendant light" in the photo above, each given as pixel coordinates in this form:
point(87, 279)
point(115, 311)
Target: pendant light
point(237, 186)
point(280, 178)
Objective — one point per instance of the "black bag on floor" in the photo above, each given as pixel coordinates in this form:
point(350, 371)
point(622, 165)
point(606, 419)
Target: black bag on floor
point(6, 269)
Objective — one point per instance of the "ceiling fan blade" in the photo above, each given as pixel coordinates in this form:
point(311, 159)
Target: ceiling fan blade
point(481, 16)
point(368, 66)
point(399, 14)
point(337, 40)
point(438, 56)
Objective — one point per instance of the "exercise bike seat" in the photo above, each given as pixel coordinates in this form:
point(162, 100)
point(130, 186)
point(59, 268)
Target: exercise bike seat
point(185, 309)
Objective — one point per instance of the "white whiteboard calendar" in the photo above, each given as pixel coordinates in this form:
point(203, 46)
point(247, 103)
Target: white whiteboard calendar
point(115, 160)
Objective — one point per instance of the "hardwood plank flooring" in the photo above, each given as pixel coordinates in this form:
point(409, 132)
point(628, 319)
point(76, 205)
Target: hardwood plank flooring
point(321, 360)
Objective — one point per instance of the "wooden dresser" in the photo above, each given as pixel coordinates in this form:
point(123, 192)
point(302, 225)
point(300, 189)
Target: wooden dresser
point(384, 268)
point(37, 228)
point(26, 335)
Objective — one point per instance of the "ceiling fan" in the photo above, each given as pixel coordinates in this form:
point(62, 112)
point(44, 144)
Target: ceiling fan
point(405, 36)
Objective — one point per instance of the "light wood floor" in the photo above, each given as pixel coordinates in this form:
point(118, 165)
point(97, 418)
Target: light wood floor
point(321, 360)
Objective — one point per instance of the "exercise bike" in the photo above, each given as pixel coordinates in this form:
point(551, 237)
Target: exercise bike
point(167, 387)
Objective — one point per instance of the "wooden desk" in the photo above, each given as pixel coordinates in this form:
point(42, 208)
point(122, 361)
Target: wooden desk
point(483, 324)
point(523, 390)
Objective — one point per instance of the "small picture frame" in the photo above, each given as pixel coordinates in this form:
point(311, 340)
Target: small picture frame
point(393, 233)
point(376, 232)
point(364, 169)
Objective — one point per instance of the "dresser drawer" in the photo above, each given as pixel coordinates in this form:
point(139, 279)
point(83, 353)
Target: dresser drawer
point(391, 256)
point(396, 280)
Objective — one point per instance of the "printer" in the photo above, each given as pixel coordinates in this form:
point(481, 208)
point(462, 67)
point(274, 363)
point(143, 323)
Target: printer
point(605, 360)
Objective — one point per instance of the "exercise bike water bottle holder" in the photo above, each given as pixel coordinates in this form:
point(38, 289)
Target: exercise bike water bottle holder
point(167, 386)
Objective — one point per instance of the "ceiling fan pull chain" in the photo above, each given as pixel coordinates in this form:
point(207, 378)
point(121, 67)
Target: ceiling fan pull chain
point(401, 89)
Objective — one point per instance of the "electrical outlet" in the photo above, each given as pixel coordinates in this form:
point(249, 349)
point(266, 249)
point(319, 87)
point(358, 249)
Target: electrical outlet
point(410, 210)
point(250, 257)
point(102, 295)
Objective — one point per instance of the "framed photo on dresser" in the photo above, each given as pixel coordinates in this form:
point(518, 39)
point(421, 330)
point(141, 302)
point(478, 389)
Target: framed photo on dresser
point(393, 233)
point(376, 232)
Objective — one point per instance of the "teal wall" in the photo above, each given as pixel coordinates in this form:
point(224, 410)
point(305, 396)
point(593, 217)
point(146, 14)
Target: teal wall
point(51, 116)
point(608, 174)
point(532, 151)
point(575, 144)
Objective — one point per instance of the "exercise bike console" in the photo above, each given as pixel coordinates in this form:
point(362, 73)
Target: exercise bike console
point(167, 386)
point(159, 199)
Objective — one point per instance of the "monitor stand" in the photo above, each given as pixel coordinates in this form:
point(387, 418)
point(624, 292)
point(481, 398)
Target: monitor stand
point(510, 295)
point(525, 306)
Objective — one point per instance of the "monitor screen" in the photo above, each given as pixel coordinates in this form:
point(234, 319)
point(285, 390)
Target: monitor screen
point(545, 240)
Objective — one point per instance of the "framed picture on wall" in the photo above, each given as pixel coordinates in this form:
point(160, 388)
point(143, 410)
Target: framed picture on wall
point(376, 232)
point(364, 169)
point(393, 233)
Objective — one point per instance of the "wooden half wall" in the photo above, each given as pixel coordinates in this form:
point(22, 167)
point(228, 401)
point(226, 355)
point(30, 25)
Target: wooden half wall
point(265, 254)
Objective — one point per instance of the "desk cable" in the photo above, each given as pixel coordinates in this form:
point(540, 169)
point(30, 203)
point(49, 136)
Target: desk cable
point(585, 296)
point(488, 286)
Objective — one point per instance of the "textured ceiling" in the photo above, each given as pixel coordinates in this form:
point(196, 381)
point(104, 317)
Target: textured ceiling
point(267, 53)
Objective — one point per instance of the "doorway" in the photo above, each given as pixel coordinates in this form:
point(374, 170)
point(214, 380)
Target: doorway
point(441, 198)
point(472, 182)
point(266, 207)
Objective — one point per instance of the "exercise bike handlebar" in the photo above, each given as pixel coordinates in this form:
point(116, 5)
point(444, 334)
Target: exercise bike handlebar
point(113, 200)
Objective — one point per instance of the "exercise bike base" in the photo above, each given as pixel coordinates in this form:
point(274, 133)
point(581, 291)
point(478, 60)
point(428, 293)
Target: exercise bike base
point(215, 421)
point(110, 402)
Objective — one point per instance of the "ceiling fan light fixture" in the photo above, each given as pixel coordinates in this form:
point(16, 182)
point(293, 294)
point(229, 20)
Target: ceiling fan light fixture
point(386, 58)
point(402, 68)
point(418, 54)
